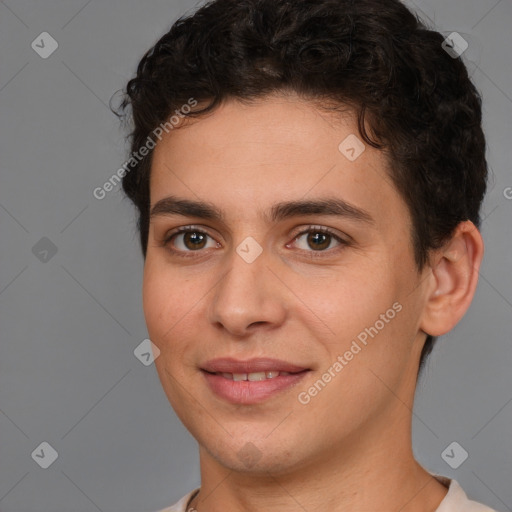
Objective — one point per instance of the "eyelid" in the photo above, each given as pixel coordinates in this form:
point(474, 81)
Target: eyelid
point(184, 229)
point(322, 229)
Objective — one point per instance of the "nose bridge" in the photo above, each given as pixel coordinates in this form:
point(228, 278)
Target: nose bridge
point(244, 295)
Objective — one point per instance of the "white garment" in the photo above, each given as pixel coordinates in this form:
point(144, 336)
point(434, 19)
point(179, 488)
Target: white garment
point(454, 501)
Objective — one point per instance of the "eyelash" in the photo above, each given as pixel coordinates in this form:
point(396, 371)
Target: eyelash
point(311, 229)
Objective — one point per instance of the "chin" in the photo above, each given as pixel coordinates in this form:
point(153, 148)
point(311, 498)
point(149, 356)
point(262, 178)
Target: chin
point(246, 454)
point(254, 462)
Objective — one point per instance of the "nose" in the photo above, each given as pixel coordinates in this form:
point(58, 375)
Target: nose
point(248, 297)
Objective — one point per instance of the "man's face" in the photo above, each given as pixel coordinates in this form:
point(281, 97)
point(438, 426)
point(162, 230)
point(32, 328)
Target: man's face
point(308, 299)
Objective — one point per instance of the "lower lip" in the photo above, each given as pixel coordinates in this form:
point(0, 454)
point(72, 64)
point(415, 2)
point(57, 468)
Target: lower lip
point(250, 392)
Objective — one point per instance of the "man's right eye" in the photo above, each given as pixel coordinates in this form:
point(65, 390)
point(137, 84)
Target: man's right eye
point(188, 239)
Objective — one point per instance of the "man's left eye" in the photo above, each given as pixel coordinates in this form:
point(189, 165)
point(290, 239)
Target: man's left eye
point(318, 240)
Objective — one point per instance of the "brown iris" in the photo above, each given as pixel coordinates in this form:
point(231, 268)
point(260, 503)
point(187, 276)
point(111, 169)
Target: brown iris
point(319, 241)
point(194, 240)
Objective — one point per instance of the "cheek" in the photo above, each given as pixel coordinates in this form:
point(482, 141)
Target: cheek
point(174, 311)
point(165, 310)
point(154, 300)
point(369, 320)
point(352, 301)
point(359, 379)
point(164, 302)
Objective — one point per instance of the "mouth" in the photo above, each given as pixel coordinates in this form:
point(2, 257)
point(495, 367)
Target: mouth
point(250, 382)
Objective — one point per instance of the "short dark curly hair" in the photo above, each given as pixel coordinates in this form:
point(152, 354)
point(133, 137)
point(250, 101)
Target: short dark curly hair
point(413, 100)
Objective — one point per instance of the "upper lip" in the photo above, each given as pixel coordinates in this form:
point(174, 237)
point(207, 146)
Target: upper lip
point(260, 364)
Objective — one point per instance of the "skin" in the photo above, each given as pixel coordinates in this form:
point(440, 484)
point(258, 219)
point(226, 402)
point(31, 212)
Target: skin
point(349, 448)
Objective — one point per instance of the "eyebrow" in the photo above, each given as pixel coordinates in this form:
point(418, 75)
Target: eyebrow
point(326, 206)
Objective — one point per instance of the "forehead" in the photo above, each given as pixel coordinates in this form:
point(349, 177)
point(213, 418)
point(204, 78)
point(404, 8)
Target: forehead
point(279, 148)
point(272, 130)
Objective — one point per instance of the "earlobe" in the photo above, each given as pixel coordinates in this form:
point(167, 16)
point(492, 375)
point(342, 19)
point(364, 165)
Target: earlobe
point(454, 279)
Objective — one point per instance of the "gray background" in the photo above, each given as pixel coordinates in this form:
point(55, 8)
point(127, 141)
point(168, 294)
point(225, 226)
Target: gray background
point(69, 325)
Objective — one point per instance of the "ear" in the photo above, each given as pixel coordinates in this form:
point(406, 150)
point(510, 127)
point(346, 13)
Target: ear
point(453, 280)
